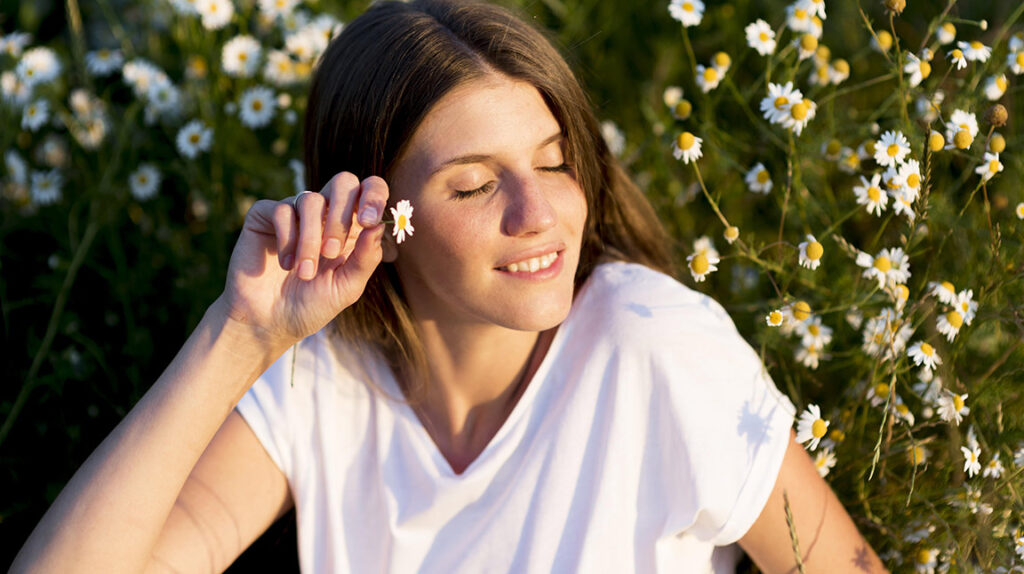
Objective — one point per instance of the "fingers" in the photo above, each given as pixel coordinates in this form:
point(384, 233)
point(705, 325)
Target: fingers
point(342, 193)
point(310, 209)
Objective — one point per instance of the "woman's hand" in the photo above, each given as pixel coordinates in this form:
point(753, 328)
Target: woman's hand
point(301, 261)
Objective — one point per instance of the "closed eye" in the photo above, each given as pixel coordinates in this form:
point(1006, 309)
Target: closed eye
point(489, 186)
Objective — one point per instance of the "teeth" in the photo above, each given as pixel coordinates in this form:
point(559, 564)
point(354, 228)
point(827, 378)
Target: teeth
point(533, 264)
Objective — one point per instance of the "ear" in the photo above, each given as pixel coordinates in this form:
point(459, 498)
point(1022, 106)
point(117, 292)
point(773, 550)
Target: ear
point(389, 247)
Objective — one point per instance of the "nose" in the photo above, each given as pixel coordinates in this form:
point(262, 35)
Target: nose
point(528, 211)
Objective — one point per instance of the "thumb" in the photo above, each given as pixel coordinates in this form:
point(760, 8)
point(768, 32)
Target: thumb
point(365, 257)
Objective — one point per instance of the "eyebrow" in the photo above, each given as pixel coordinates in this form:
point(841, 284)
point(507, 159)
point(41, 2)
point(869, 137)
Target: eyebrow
point(477, 158)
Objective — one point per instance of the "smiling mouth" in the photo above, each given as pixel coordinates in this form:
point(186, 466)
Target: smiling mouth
point(531, 265)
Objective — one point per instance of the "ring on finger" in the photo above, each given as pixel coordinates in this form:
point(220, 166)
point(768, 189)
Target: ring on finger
point(295, 198)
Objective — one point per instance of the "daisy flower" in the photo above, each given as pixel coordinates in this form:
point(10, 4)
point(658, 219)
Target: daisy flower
point(806, 46)
point(46, 187)
point(731, 233)
point(35, 115)
point(813, 333)
point(144, 181)
point(811, 252)
point(995, 87)
point(957, 57)
point(12, 44)
point(849, 161)
point(966, 305)
point(775, 318)
point(701, 263)
point(798, 19)
point(918, 455)
point(988, 168)
point(103, 62)
point(924, 354)
point(949, 324)
point(240, 56)
point(975, 51)
point(891, 148)
point(707, 78)
point(953, 407)
point(813, 7)
point(758, 179)
point(164, 99)
point(687, 147)
point(688, 12)
point(215, 14)
point(775, 106)
point(38, 66)
point(1015, 61)
point(141, 74)
point(997, 143)
point(277, 8)
point(935, 141)
point(918, 69)
point(808, 356)
point(14, 91)
point(824, 461)
point(882, 41)
point(946, 33)
point(890, 265)
point(902, 412)
point(194, 138)
point(811, 428)
point(878, 394)
point(926, 559)
point(761, 37)
point(838, 72)
point(800, 114)
point(671, 96)
point(870, 194)
point(994, 468)
point(909, 177)
point(705, 245)
point(972, 466)
point(256, 106)
point(402, 213)
point(1020, 210)
point(943, 291)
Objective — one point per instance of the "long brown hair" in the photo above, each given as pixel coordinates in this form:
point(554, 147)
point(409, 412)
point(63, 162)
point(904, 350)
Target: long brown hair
point(377, 81)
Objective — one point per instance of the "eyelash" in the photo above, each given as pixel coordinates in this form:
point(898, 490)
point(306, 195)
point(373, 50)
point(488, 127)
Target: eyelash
point(489, 186)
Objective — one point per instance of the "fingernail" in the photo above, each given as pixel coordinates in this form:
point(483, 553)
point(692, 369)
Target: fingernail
point(288, 260)
point(306, 269)
point(368, 216)
point(332, 248)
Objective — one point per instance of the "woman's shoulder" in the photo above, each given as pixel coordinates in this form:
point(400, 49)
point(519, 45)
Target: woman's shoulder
point(627, 296)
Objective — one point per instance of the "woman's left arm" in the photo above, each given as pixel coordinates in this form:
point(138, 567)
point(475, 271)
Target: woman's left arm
point(827, 537)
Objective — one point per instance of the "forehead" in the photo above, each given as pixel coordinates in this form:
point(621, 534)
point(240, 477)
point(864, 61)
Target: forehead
point(491, 116)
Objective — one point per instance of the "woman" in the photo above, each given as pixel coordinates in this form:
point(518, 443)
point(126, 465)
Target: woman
point(516, 388)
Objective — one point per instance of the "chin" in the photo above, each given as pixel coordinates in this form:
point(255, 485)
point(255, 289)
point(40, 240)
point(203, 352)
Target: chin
point(537, 316)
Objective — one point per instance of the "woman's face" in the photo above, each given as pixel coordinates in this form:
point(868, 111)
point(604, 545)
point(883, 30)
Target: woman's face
point(498, 217)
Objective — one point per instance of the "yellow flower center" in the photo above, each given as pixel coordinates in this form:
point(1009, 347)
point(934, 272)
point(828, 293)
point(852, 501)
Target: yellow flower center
point(957, 54)
point(878, 338)
point(402, 221)
point(963, 139)
point(699, 264)
point(892, 150)
point(814, 330)
point(902, 292)
point(683, 109)
point(956, 320)
point(884, 40)
point(213, 7)
point(949, 286)
point(763, 36)
point(799, 111)
point(837, 435)
point(917, 457)
point(869, 146)
point(833, 147)
point(976, 45)
point(818, 428)
point(710, 75)
point(965, 306)
point(927, 349)
point(822, 72)
point(842, 66)
point(281, 4)
point(874, 194)
point(732, 232)
point(687, 6)
point(882, 390)
point(926, 69)
point(781, 102)
point(993, 166)
point(997, 143)
point(935, 141)
point(193, 138)
point(913, 180)
point(775, 317)
point(242, 56)
point(1001, 83)
point(257, 105)
point(902, 409)
point(1020, 58)
point(800, 14)
point(685, 141)
point(801, 310)
point(763, 176)
point(143, 179)
point(949, 28)
point(722, 60)
point(958, 403)
point(814, 251)
point(883, 264)
point(924, 556)
point(808, 42)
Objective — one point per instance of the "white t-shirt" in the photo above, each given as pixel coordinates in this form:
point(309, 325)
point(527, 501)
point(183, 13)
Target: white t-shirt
point(649, 438)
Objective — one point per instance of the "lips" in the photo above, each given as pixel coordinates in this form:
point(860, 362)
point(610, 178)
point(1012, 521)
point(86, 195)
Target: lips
point(532, 264)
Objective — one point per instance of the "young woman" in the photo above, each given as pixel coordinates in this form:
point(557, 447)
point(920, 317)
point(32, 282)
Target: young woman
point(518, 387)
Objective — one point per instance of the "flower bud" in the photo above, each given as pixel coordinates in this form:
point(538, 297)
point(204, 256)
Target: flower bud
point(895, 6)
point(996, 115)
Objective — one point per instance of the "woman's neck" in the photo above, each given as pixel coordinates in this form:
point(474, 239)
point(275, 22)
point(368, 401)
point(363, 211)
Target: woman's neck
point(477, 374)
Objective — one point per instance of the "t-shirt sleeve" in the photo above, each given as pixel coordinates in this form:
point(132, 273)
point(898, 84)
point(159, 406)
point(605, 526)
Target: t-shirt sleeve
point(268, 407)
point(724, 423)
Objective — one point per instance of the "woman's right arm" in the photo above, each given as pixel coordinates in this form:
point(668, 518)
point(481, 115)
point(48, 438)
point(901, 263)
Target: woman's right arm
point(113, 512)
